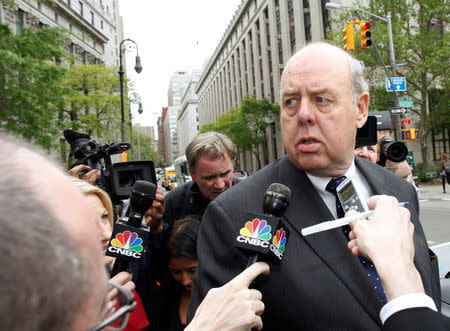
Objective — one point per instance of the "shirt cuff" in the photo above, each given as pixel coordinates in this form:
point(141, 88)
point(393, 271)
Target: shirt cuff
point(407, 301)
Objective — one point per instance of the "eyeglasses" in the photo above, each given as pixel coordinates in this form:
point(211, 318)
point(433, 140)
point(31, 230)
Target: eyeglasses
point(127, 304)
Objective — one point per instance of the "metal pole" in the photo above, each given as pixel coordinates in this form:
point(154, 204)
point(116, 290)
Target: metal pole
point(122, 107)
point(139, 147)
point(131, 131)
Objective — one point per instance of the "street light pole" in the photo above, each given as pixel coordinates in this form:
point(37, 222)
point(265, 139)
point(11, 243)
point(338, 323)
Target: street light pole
point(140, 110)
point(137, 67)
point(134, 98)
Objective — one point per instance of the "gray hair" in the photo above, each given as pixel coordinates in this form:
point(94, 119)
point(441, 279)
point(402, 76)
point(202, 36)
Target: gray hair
point(45, 277)
point(357, 71)
point(212, 144)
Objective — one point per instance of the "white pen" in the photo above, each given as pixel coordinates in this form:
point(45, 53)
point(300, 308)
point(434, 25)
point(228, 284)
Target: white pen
point(340, 221)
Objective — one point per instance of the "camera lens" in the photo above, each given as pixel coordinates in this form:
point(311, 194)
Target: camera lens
point(397, 151)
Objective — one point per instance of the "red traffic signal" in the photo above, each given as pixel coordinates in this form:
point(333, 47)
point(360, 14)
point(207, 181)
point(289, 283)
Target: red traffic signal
point(365, 34)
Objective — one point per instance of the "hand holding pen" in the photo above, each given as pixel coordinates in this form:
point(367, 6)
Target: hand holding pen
point(328, 225)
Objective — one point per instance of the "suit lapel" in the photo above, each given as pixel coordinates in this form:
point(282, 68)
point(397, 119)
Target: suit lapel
point(331, 245)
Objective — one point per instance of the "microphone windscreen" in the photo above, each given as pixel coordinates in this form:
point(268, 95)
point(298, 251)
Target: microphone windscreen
point(71, 135)
point(144, 187)
point(280, 191)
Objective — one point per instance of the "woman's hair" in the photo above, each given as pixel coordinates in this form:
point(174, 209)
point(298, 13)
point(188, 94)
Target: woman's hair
point(88, 189)
point(182, 241)
point(444, 156)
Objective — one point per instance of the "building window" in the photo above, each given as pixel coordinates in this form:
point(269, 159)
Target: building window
point(56, 17)
point(101, 24)
point(19, 20)
point(68, 2)
point(92, 18)
point(81, 7)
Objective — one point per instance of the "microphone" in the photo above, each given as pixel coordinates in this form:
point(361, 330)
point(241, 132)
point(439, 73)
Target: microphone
point(130, 235)
point(265, 235)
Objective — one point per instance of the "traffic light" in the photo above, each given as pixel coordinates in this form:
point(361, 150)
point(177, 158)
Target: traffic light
point(349, 39)
point(410, 134)
point(365, 34)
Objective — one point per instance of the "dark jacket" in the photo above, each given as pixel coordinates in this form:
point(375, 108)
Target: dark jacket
point(186, 200)
point(319, 284)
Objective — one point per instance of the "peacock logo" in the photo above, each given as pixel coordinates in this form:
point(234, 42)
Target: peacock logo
point(279, 240)
point(128, 240)
point(257, 228)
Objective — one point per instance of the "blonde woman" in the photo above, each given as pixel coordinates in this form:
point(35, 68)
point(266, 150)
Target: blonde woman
point(102, 206)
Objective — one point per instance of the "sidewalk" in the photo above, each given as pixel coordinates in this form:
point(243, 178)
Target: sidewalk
point(433, 192)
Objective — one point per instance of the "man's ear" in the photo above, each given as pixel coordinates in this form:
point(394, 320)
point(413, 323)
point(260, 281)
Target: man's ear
point(363, 109)
point(192, 175)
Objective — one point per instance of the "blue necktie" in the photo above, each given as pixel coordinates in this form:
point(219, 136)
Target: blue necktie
point(367, 264)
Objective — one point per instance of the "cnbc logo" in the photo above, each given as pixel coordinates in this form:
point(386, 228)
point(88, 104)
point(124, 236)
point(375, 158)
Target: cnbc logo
point(127, 243)
point(255, 232)
point(279, 243)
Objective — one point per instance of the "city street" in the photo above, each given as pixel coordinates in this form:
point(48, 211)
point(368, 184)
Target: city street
point(435, 213)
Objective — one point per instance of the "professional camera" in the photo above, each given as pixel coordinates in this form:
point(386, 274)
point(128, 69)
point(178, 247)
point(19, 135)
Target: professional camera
point(390, 149)
point(116, 179)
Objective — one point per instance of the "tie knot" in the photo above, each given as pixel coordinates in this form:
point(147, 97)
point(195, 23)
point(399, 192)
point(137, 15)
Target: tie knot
point(334, 183)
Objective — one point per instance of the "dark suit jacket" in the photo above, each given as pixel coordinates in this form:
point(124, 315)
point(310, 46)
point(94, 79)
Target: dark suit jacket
point(417, 319)
point(319, 283)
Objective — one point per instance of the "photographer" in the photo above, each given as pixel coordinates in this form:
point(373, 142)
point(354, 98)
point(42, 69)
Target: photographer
point(380, 153)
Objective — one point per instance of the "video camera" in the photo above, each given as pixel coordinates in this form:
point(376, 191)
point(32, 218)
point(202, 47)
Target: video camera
point(395, 151)
point(116, 179)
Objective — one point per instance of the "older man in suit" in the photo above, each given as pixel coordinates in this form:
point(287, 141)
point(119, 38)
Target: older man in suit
point(319, 284)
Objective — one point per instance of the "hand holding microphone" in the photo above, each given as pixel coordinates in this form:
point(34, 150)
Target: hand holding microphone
point(129, 236)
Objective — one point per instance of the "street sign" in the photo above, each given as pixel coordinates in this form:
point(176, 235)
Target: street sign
point(406, 103)
point(406, 121)
point(398, 82)
point(397, 110)
point(402, 99)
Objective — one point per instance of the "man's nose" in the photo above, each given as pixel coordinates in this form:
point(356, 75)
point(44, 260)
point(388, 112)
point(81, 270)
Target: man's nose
point(219, 183)
point(306, 112)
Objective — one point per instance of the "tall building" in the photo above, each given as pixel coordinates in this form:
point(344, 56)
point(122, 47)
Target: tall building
point(250, 58)
point(170, 132)
point(162, 135)
point(94, 26)
point(187, 120)
point(177, 85)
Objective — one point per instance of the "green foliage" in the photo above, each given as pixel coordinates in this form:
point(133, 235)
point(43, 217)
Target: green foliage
point(30, 88)
point(420, 40)
point(92, 101)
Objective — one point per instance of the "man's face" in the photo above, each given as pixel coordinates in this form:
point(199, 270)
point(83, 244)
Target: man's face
point(367, 152)
point(318, 116)
point(213, 176)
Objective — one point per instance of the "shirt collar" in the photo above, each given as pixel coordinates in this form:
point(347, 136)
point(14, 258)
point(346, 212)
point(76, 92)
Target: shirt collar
point(320, 183)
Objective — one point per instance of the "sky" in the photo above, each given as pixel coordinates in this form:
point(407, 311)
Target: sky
point(171, 35)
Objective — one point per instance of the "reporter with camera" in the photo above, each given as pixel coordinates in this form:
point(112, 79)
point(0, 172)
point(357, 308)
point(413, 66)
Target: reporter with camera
point(388, 154)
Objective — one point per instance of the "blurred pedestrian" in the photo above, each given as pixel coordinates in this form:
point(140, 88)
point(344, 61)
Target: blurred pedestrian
point(445, 170)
